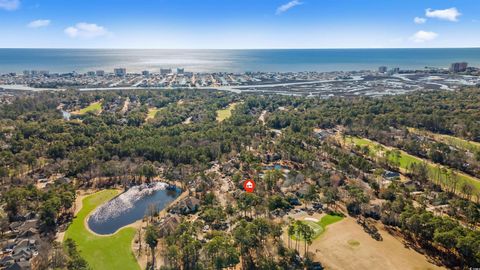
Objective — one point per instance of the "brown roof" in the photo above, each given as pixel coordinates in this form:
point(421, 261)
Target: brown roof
point(168, 225)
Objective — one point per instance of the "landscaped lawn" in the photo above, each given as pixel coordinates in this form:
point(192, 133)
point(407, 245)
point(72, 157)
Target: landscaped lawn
point(405, 161)
point(93, 107)
point(361, 142)
point(102, 252)
point(225, 113)
point(320, 226)
point(151, 113)
point(329, 219)
point(449, 140)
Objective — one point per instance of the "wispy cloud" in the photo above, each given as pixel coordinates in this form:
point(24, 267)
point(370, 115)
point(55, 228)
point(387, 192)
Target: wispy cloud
point(419, 20)
point(38, 23)
point(449, 14)
point(86, 30)
point(285, 7)
point(9, 4)
point(423, 36)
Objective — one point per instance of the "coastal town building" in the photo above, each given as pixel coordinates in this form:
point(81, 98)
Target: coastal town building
point(120, 72)
point(459, 67)
point(382, 69)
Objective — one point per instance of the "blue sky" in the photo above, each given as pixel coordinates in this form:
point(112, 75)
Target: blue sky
point(238, 24)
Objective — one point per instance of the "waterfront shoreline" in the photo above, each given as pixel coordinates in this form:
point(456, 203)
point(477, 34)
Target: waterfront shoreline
point(237, 60)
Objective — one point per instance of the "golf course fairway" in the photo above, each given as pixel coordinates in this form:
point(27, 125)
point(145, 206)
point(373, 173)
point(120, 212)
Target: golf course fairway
point(102, 252)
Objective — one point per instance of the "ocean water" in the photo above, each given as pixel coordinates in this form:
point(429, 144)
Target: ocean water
point(82, 60)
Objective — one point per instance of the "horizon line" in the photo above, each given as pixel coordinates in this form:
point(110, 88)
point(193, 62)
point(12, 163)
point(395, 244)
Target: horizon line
point(232, 49)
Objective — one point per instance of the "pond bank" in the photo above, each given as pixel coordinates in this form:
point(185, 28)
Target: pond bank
point(95, 247)
point(134, 204)
point(102, 252)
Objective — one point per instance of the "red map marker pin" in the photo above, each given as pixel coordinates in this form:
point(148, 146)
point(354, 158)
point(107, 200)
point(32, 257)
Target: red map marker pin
point(249, 185)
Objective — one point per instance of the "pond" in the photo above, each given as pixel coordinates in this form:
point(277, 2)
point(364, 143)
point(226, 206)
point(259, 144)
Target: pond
point(131, 206)
point(276, 167)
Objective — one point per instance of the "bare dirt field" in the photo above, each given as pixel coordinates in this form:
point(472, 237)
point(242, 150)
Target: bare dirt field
point(344, 245)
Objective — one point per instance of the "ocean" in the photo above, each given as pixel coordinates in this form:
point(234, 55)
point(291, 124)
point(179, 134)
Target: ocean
point(284, 60)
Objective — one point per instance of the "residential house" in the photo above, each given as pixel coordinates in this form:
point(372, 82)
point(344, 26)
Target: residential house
point(186, 206)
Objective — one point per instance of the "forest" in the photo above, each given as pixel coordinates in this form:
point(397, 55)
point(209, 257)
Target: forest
point(46, 159)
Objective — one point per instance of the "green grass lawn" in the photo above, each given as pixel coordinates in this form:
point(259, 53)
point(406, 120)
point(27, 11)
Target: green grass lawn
point(449, 140)
point(329, 219)
point(436, 173)
point(361, 142)
point(102, 252)
point(225, 113)
point(93, 107)
point(320, 226)
point(405, 160)
point(152, 112)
